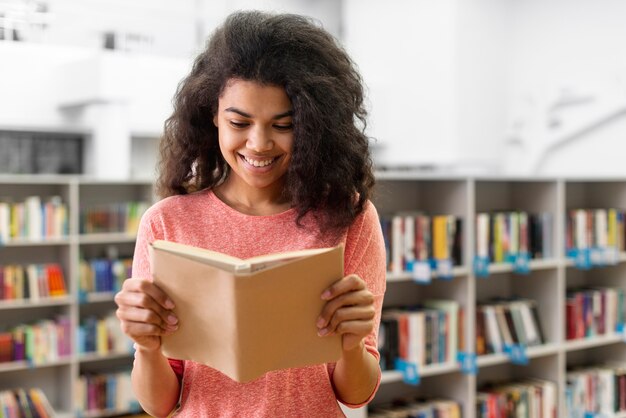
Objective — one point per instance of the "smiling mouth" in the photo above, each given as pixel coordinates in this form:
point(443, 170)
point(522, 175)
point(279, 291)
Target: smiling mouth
point(259, 162)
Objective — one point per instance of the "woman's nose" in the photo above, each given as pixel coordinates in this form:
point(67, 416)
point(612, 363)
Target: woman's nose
point(259, 141)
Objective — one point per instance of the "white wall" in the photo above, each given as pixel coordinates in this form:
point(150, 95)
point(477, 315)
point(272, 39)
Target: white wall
point(168, 27)
point(36, 79)
point(406, 51)
point(564, 52)
point(482, 45)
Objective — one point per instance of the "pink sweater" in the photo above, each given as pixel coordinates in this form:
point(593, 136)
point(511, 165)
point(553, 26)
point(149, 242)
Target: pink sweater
point(203, 220)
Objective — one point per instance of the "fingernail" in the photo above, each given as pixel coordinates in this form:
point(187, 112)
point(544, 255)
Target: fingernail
point(171, 327)
point(169, 304)
point(320, 322)
point(322, 332)
point(172, 319)
point(326, 294)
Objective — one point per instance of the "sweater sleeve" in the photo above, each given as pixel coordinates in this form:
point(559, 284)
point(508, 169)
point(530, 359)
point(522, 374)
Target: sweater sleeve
point(365, 257)
point(149, 230)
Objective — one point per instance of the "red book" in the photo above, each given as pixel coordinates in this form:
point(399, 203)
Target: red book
point(6, 347)
point(570, 319)
point(403, 335)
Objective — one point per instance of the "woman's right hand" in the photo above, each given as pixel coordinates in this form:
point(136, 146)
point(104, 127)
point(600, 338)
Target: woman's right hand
point(145, 313)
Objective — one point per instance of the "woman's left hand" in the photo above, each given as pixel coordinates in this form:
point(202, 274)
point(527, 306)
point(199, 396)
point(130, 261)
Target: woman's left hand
point(349, 311)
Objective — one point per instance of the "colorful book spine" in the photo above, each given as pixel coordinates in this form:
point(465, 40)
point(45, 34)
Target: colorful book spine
point(418, 408)
point(35, 218)
point(33, 281)
point(530, 398)
point(503, 236)
point(594, 311)
point(25, 403)
point(113, 217)
point(102, 335)
point(596, 391)
point(416, 237)
point(103, 275)
point(421, 335)
point(111, 393)
point(507, 322)
point(38, 343)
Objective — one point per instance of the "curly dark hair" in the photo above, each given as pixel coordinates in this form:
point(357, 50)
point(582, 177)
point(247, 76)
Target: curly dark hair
point(330, 172)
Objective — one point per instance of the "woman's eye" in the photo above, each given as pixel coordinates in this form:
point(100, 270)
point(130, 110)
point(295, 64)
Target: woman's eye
point(238, 124)
point(283, 127)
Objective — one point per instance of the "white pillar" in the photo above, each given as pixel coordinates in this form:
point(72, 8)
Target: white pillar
point(108, 151)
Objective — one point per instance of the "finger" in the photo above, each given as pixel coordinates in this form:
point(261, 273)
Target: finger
point(348, 314)
point(146, 286)
point(142, 300)
point(148, 316)
point(360, 297)
point(348, 283)
point(361, 328)
point(142, 329)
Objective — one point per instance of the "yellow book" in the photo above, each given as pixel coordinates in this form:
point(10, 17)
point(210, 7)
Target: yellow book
point(498, 241)
point(612, 229)
point(102, 337)
point(440, 237)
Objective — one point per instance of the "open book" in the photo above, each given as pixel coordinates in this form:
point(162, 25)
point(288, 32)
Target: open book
point(247, 317)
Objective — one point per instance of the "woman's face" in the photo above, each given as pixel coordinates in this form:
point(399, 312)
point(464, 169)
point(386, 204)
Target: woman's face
point(254, 123)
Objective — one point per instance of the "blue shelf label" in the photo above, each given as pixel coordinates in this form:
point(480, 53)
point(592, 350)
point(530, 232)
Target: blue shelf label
point(621, 330)
point(420, 271)
point(516, 353)
point(82, 296)
point(444, 269)
point(410, 374)
point(467, 362)
point(611, 256)
point(582, 257)
point(596, 256)
point(481, 266)
point(510, 257)
point(522, 263)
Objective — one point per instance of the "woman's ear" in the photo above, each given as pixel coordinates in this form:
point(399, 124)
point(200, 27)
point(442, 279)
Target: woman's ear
point(215, 120)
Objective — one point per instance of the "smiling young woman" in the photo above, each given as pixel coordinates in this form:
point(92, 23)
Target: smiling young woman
point(264, 153)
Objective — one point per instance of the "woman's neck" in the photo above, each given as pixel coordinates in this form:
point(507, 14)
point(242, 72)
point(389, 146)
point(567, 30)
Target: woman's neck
point(252, 201)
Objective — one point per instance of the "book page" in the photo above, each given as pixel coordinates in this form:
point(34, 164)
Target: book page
point(277, 312)
point(205, 307)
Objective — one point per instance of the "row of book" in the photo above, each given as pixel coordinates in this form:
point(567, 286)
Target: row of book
point(35, 218)
point(505, 323)
point(502, 236)
point(415, 237)
point(32, 281)
point(421, 335)
point(594, 391)
point(533, 398)
point(25, 403)
point(38, 343)
point(102, 335)
point(417, 408)
point(103, 274)
point(595, 228)
point(594, 311)
point(112, 217)
point(111, 393)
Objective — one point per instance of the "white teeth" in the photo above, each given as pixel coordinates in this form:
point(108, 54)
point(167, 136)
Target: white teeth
point(258, 163)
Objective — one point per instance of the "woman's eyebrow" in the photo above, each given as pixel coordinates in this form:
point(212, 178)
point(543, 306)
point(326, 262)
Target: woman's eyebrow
point(247, 115)
point(237, 111)
point(284, 114)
